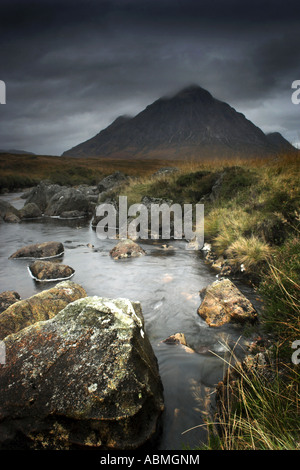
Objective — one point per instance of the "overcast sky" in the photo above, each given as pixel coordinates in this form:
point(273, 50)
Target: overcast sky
point(71, 67)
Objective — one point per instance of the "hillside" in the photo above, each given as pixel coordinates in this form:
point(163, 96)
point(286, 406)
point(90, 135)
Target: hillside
point(189, 124)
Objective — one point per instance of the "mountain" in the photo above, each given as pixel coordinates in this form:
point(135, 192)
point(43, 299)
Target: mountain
point(191, 123)
point(283, 145)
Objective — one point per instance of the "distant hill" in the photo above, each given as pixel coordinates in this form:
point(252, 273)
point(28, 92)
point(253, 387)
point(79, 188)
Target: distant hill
point(16, 152)
point(191, 123)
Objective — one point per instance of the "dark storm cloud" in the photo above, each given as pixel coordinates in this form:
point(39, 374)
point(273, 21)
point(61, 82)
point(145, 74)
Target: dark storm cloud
point(71, 67)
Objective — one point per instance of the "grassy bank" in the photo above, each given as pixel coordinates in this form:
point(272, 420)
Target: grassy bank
point(252, 221)
point(21, 171)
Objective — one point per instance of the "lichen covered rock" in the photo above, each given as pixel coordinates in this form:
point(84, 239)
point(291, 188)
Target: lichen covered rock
point(223, 302)
point(49, 271)
point(39, 250)
point(8, 298)
point(41, 306)
point(127, 249)
point(88, 378)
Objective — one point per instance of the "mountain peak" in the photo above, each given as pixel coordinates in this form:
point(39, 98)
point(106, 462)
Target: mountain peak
point(189, 123)
point(192, 91)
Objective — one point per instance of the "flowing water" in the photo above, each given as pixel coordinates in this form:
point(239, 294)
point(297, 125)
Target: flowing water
point(166, 282)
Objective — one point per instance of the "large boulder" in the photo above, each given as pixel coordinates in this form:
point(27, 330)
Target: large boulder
point(86, 379)
point(223, 302)
point(7, 208)
point(41, 306)
point(68, 199)
point(42, 194)
point(50, 271)
point(30, 211)
point(127, 249)
point(40, 250)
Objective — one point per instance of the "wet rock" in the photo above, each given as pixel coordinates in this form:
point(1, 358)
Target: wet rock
point(178, 339)
point(223, 303)
point(94, 382)
point(68, 199)
point(40, 250)
point(30, 211)
point(11, 218)
point(42, 194)
point(48, 270)
point(107, 200)
point(8, 298)
point(39, 307)
point(73, 214)
point(111, 181)
point(6, 208)
point(127, 249)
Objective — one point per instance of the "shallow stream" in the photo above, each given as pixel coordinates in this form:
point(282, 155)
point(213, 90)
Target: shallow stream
point(166, 282)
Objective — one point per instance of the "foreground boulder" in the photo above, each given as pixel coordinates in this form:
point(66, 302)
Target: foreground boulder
point(40, 250)
point(41, 306)
point(223, 303)
point(48, 270)
point(127, 249)
point(8, 298)
point(88, 378)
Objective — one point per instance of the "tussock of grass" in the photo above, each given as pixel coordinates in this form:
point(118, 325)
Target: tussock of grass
point(250, 252)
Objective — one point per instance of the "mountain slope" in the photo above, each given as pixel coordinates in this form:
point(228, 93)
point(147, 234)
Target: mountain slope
point(190, 123)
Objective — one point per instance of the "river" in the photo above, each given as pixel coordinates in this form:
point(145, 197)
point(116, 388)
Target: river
point(167, 283)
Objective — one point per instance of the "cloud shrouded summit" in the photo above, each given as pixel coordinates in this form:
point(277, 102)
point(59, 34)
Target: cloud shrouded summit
point(191, 123)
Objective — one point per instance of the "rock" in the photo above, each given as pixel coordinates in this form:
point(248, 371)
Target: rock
point(68, 199)
point(166, 171)
point(127, 249)
point(112, 181)
point(11, 218)
point(6, 208)
point(48, 270)
point(178, 339)
point(108, 200)
point(42, 194)
point(72, 214)
point(148, 201)
point(30, 211)
point(223, 303)
point(39, 307)
point(40, 250)
point(8, 298)
point(86, 379)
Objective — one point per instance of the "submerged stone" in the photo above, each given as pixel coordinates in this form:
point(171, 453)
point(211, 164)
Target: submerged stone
point(88, 378)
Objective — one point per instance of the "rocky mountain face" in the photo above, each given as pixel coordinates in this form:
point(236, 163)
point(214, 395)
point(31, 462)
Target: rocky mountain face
point(191, 123)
